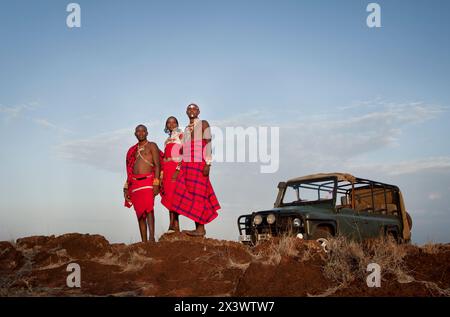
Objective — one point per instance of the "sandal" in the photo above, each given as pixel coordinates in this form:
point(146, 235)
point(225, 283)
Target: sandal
point(194, 233)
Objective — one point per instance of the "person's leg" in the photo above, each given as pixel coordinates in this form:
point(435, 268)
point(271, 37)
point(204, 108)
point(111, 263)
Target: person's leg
point(151, 226)
point(143, 228)
point(199, 230)
point(176, 222)
point(171, 224)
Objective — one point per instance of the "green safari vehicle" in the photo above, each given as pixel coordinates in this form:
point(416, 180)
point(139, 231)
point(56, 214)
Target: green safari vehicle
point(321, 206)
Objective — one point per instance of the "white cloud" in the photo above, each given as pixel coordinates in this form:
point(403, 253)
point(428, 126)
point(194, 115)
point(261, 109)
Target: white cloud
point(15, 111)
point(431, 164)
point(44, 123)
point(337, 138)
point(105, 151)
point(434, 196)
point(47, 124)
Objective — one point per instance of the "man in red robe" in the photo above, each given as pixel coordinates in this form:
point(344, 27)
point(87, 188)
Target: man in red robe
point(194, 195)
point(142, 185)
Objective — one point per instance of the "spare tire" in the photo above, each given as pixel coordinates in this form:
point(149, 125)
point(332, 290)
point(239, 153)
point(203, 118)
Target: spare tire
point(410, 223)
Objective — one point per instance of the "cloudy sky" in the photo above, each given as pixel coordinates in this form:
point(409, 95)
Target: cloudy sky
point(371, 102)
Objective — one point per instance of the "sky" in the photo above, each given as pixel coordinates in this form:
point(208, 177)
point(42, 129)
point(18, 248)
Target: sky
point(372, 102)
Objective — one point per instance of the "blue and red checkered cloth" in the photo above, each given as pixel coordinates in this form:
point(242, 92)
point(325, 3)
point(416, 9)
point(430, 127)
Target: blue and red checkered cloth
point(194, 195)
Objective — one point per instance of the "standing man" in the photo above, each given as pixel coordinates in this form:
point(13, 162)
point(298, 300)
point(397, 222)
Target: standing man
point(194, 195)
point(142, 185)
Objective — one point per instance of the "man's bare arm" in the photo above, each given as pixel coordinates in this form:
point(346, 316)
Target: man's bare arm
point(208, 147)
point(207, 136)
point(155, 155)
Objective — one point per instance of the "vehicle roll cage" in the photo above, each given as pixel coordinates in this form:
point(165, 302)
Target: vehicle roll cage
point(346, 188)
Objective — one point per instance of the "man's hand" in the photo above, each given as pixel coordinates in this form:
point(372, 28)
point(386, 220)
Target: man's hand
point(206, 170)
point(126, 195)
point(155, 190)
point(175, 175)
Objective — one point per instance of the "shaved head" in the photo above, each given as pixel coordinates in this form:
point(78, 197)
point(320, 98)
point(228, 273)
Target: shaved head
point(141, 126)
point(192, 111)
point(193, 106)
point(141, 132)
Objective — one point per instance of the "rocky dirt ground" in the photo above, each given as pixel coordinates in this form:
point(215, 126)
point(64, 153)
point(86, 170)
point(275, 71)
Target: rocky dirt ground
point(178, 265)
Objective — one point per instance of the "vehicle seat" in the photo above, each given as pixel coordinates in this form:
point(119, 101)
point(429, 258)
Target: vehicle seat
point(392, 209)
point(364, 208)
point(345, 203)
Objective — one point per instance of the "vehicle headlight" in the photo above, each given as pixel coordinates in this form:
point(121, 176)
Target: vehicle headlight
point(297, 222)
point(257, 220)
point(271, 219)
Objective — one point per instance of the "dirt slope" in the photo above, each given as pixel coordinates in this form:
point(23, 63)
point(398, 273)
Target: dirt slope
point(183, 266)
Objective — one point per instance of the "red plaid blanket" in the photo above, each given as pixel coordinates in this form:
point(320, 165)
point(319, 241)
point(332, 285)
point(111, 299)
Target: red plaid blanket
point(194, 195)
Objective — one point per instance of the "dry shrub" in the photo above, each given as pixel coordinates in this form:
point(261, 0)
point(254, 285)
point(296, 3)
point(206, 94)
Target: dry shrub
point(285, 246)
point(271, 252)
point(348, 260)
point(136, 261)
point(343, 260)
point(431, 248)
point(235, 265)
point(3, 292)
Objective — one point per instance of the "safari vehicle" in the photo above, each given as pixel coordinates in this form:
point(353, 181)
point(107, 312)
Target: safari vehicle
point(321, 206)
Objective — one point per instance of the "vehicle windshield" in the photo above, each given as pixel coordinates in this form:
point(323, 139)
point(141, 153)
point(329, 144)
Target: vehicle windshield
point(308, 192)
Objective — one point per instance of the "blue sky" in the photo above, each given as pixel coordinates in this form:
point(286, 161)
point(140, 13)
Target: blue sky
point(372, 102)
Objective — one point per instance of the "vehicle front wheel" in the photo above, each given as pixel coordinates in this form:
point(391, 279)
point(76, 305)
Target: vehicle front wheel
point(322, 236)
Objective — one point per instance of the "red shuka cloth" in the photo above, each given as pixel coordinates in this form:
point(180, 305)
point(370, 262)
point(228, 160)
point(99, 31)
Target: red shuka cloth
point(194, 195)
point(169, 168)
point(140, 191)
point(141, 194)
point(130, 160)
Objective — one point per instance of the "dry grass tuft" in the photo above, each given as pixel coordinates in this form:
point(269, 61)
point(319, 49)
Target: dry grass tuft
point(235, 265)
point(431, 248)
point(275, 249)
point(435, 289)
point(348, 260)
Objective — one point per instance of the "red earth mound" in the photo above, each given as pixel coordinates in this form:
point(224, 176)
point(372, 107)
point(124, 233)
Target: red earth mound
point(179, 265)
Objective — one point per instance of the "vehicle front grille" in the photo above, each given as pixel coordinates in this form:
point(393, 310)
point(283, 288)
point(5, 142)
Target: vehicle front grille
point(282, 225)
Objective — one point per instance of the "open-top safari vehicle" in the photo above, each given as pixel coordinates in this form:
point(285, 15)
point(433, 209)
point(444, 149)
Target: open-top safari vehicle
point(320, 206)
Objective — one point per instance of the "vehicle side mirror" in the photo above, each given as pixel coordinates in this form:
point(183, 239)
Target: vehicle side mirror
point(281, 188)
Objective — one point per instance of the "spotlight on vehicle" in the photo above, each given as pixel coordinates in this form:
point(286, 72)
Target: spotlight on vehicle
point(257, 220)
point(271, 219)
point(297, 222)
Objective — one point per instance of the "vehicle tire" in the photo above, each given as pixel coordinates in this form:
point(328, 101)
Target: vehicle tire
point(392, 234)
point(323, 236)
